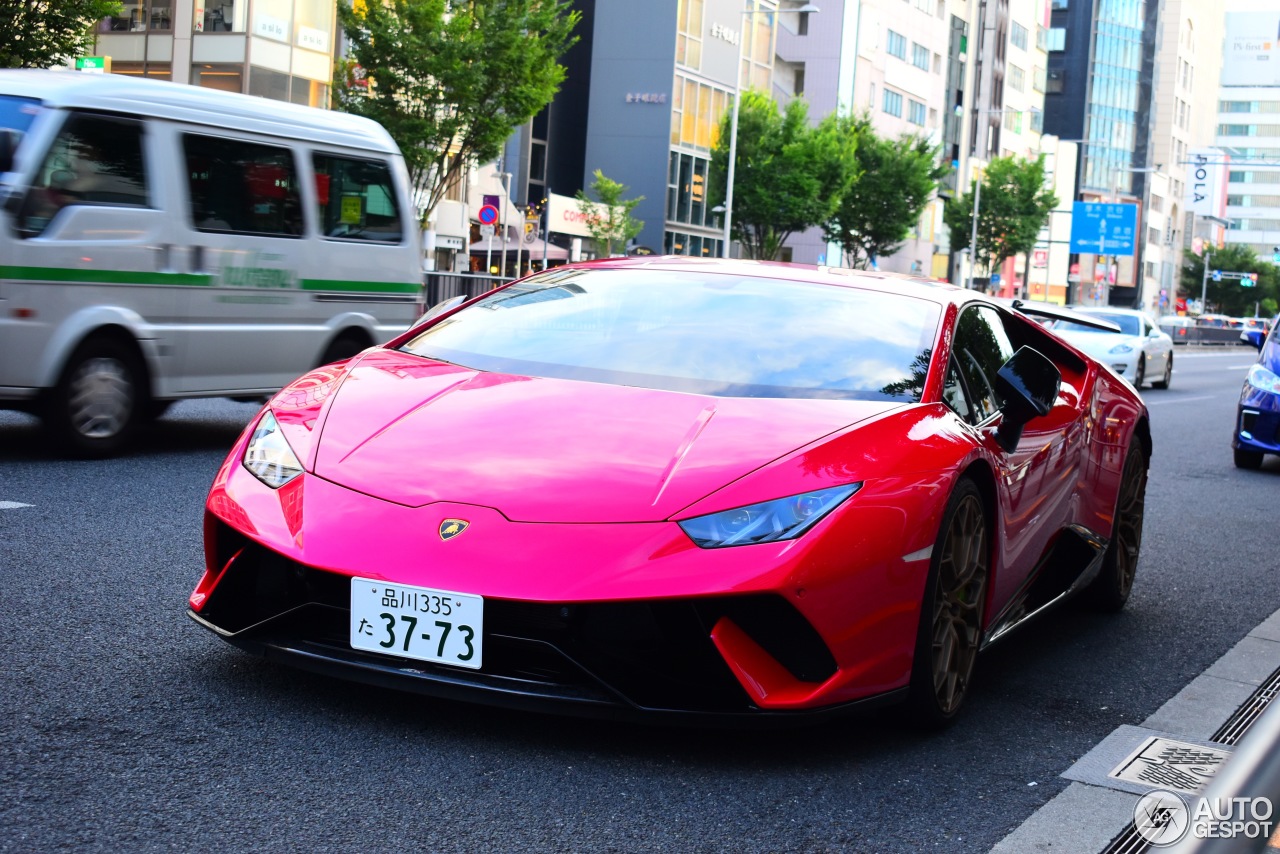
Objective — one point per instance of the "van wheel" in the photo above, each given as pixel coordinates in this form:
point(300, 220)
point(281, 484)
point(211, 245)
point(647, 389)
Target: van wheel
point(345, 346)
point(99, 400)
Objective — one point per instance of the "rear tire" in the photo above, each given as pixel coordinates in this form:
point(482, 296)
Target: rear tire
point(1251, 460)
point(950, 629)
point(100, 399)
point(1168, 374)
point(344, 346)
point(1110, 590)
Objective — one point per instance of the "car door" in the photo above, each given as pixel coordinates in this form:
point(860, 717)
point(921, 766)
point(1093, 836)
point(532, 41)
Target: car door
point(1035, 479)
point(1158, 347)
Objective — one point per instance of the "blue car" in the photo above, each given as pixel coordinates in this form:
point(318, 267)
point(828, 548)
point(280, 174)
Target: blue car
point(1258, 417)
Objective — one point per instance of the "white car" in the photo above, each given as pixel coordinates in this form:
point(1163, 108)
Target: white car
point(1140, 352)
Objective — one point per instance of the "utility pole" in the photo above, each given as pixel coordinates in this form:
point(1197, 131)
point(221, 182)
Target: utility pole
point(1204, 281)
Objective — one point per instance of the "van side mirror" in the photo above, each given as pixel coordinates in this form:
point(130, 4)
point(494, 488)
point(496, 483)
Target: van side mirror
point(1028, 384)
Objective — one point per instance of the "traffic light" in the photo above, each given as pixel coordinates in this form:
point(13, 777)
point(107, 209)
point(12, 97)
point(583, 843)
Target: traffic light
point(1250, 280)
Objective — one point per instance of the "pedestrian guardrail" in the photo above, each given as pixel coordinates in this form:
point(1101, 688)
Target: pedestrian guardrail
point(438, 287)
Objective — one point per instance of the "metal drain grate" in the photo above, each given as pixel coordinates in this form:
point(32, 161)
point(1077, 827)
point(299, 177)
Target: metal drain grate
point(1129, 841)
point(1234, 729)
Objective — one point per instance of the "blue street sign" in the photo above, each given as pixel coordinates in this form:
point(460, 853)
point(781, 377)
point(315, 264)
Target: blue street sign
point(1103, 229)
point(1216, 275)
point(995, 278)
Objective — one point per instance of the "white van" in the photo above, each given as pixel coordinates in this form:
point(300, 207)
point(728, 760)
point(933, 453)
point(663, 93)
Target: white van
point(161, 241)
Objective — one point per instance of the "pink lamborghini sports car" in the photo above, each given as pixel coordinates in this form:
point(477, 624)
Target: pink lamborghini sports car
point(672, 487)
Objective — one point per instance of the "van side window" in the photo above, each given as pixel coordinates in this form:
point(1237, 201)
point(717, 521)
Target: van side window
point(239, 187)
point(356, 200)
point(95, 160)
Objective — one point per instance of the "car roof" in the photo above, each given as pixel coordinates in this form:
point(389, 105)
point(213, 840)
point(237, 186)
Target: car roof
point(180, 102)
point(898, 283)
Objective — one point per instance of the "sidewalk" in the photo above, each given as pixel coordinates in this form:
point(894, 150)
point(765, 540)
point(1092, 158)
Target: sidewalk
point(1107, 781)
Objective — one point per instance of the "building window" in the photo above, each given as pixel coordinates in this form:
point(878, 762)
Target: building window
point(1018, 36)
point(802, 25)
point(1055, 81)
point(892, 103)
point(1017, 78)
point(1236, 130)
point(689, 33)
point(1038, 79)
point(138, 16)
point(687, 190)
point(1057, 39)
point(1037, 121)
point(227, 17)
point(915, 112)
point(225, 78)
point(798, 85)
point(1058, 4)
point(896, 45)
point(920, 56)
point(695, 113)
point(1013, 120)
point(1042, 38)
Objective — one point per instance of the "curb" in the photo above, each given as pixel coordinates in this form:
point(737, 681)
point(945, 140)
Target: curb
point(1087, 816)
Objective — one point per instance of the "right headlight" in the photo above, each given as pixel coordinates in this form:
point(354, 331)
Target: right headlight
point(1260, 378)
point(768, 521)
point(269, 456)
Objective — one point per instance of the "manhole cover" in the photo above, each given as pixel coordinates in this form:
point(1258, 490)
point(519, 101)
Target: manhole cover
point(1167, 764)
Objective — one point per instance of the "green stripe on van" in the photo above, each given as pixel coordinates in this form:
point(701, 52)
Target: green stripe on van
point(103, 277)
point(360, 287)
point(134, 277)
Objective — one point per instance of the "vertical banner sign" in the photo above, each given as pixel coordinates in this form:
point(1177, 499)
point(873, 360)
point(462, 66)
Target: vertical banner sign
point(1207, 182)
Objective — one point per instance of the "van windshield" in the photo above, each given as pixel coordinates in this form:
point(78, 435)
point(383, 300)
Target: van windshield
point(16, 115)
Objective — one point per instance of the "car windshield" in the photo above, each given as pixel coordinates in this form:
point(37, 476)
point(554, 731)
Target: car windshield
point(1127, 322)
point(698, 332)
point(16, 115)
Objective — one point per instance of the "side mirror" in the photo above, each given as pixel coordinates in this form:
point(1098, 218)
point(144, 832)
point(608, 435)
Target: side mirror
point(1028, 384)
point(1254, 337)
point(440, 308)
point(1154, 333)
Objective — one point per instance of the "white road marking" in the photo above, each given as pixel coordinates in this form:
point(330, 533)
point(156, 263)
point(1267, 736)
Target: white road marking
point(13, 505)
point(1241, 367)
point(1184, 399)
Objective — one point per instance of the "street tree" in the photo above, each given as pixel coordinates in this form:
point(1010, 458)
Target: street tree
point(789, 176)
point(609, 220)
point(45, 33)
point(896, 179)
point(1014, 206)
point(1229, 296)
point(451, 80)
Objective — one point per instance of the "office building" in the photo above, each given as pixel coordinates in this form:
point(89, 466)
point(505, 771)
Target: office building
point(281, 49)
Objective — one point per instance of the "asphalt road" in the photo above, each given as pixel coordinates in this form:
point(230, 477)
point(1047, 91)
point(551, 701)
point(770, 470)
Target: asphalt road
point(125, 727)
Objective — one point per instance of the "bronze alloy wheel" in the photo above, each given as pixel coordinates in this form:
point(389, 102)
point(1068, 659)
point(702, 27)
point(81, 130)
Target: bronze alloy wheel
point(950, 629)
point(959, 592)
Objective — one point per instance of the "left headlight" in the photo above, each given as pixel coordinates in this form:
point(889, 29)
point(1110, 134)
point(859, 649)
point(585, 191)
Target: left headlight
point(1121, 348)
point(767, 522)
point(1260, 378)
point(269, 456)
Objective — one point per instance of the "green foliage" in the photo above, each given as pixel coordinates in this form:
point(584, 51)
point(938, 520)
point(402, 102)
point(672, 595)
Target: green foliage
point(451, 79)
point(618, 225)
point(1229, 296)
point(789, 175)
point(1013, 207)
point(896, 178)
point(45, 33)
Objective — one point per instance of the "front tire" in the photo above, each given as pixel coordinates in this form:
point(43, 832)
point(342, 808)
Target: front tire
point(951, 615)
point(1251, 460)
point(98, 402)
point(1140, 373)
point(1110, 590)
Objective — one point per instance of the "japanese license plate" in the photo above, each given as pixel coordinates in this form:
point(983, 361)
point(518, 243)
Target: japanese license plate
point(417, 622)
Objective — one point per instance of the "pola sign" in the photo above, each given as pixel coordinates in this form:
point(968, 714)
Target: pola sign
point(1207, 183)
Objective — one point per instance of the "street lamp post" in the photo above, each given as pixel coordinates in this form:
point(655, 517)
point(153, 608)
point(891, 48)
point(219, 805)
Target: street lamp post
point(807, 8)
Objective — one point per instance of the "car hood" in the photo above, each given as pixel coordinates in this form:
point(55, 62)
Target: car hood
point(414, 431)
